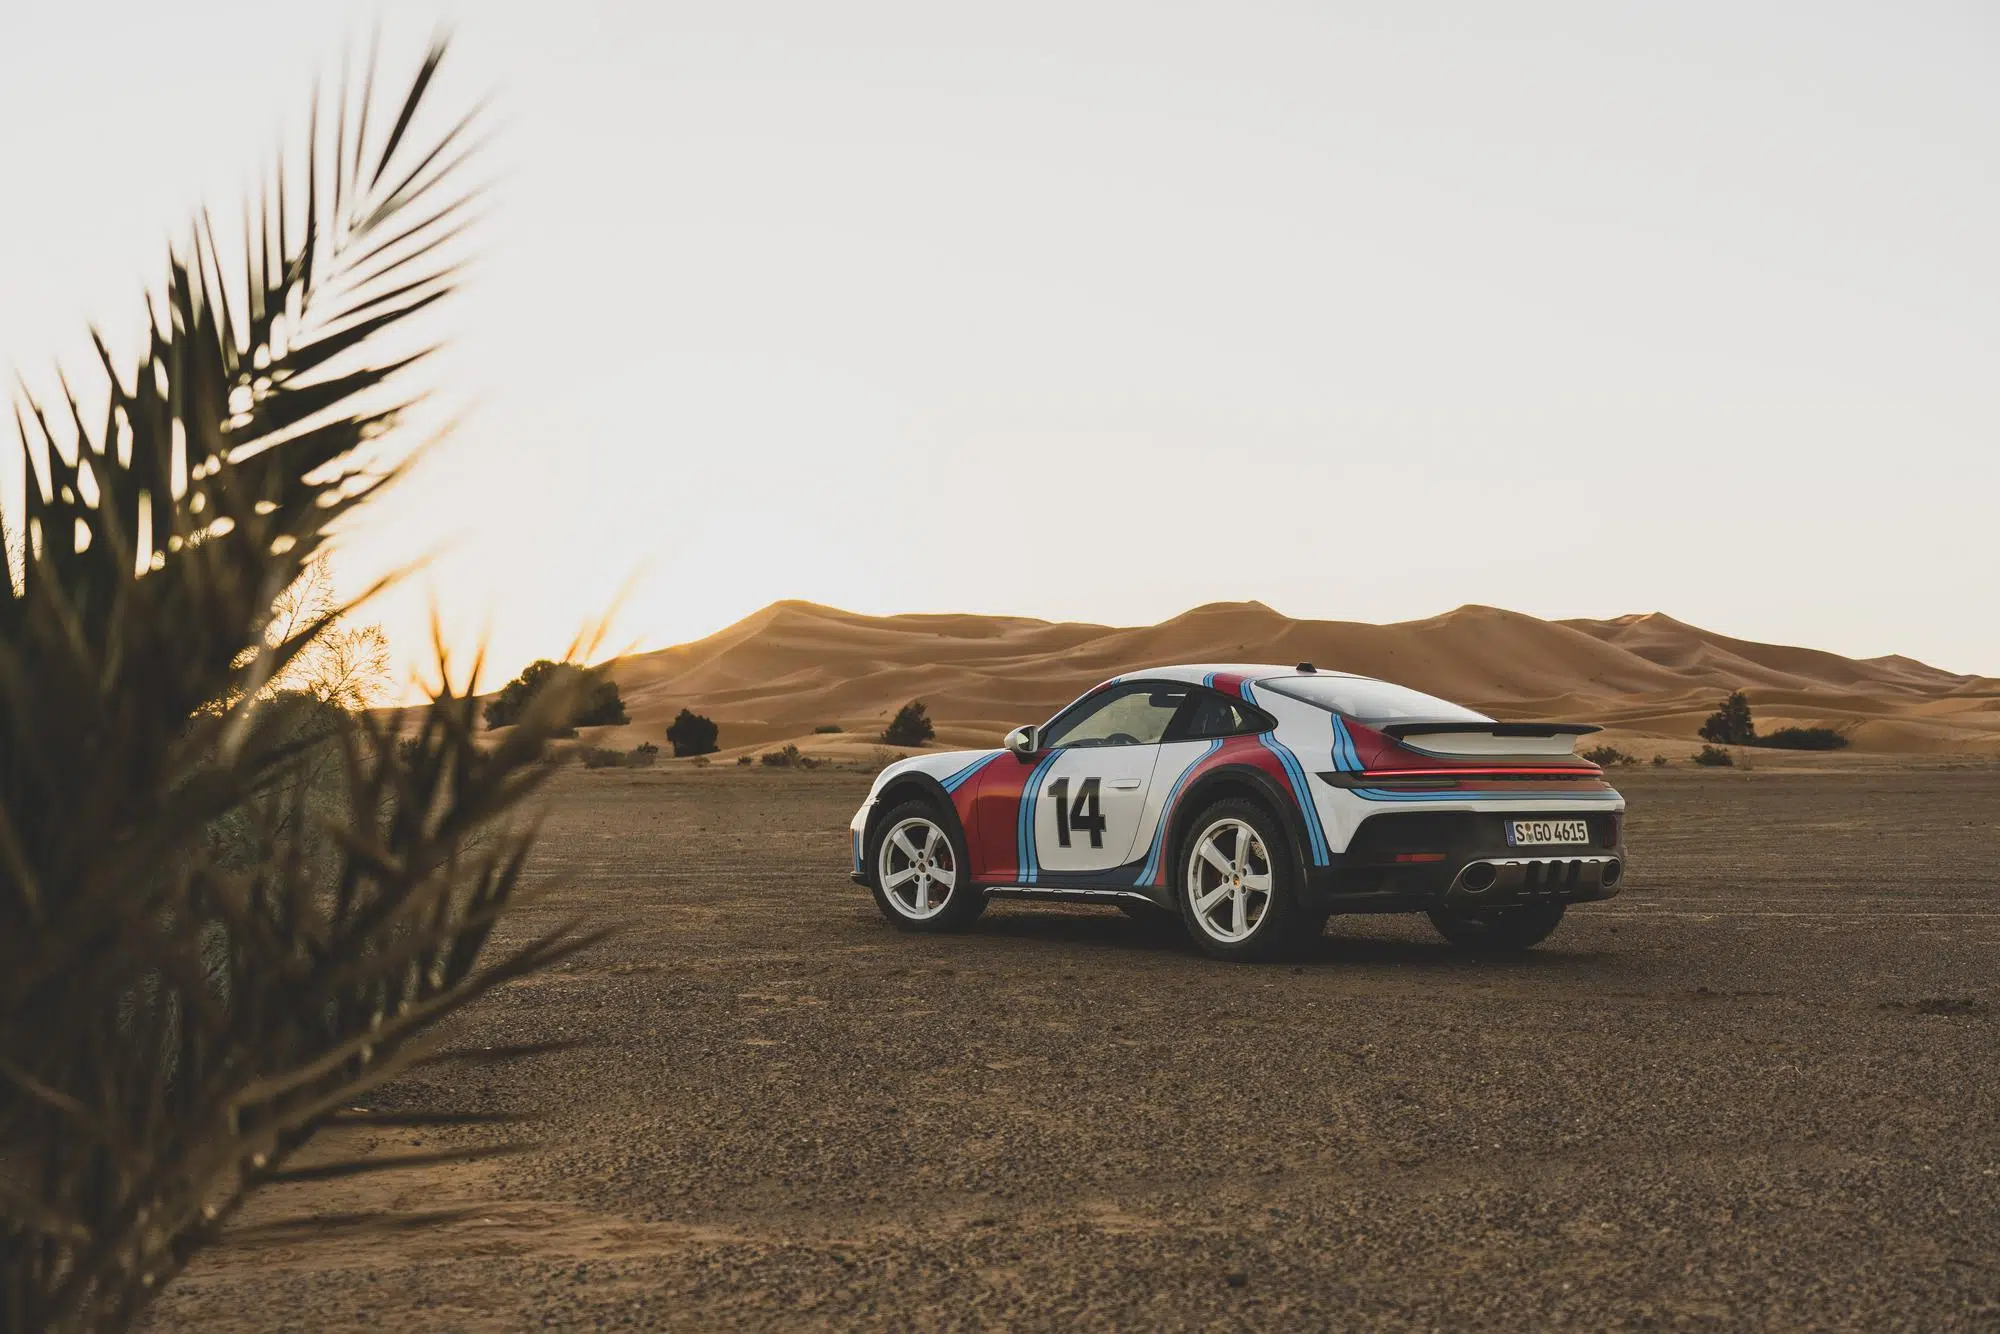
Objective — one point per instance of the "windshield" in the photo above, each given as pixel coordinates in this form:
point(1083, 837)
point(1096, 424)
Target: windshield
point(1368, 701)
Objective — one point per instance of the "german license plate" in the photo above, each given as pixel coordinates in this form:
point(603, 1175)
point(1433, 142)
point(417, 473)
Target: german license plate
point(1540, 833)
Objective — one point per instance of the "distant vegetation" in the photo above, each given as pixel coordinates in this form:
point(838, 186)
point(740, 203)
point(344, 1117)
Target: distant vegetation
point(1608, 757)
point(1713, 757)
point(640, 756)
point(787, 758)
point(827, 729)
point(691, 734)
point(597, 702)
point(910, 727)
point(1804, 738)
point(1732, 725)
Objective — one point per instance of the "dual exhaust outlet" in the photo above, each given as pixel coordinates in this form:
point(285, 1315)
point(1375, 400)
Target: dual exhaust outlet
point(1546, 875)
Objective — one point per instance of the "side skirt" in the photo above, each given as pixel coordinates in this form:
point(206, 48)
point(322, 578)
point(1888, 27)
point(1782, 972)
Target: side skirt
point(1064, 894)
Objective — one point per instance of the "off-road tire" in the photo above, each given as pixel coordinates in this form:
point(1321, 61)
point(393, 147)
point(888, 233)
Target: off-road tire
point(1284, 925)
point(964, 901)
point(1499, 930)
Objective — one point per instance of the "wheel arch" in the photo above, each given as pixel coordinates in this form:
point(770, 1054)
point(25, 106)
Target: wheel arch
point(1237, 780)
point(902, 788)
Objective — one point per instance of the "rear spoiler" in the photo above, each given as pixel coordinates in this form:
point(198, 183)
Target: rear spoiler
point(1401, 730)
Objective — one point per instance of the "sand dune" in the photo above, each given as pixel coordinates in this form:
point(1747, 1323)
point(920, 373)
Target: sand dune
point(794, 666)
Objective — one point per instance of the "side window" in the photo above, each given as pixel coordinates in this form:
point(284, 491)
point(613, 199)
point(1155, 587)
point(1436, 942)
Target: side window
point(1215, 715)
point(1128, 715)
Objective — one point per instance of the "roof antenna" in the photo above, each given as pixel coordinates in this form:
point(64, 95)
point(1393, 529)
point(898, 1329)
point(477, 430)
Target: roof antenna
point(1307, 667)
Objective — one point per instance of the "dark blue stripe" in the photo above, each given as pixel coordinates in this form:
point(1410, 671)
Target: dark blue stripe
point(1152, 866)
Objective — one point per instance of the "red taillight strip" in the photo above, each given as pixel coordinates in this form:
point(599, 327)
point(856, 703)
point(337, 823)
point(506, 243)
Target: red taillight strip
point(1446, 771)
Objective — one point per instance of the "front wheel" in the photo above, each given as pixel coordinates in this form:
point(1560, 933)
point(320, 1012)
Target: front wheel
point(1506, 930)
point(922, 879)
point(1239, 884)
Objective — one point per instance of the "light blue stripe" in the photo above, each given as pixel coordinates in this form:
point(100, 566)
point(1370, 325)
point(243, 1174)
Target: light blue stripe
point(1152, 866)
point(1024, 836)
point(1294, 771)
point(957, 780)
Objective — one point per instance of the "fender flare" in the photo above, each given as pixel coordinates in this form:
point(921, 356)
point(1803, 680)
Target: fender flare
point(903, 787)
point(1277, 797)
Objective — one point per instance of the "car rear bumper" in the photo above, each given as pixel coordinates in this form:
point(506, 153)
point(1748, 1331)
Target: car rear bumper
point(1406, 862)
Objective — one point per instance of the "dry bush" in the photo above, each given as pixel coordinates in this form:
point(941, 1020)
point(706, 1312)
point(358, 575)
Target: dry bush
point(229, 906)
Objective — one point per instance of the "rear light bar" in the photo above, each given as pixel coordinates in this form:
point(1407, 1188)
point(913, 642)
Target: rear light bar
point(1507, 771)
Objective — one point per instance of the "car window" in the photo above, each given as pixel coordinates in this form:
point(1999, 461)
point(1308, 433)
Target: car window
point(1215, 715)
point(1134, 715)
point(1372, 701)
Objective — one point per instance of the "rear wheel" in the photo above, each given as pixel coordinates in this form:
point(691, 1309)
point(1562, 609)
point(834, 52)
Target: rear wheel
point(919, 872)
point(1239, 885)
point(1499, 929)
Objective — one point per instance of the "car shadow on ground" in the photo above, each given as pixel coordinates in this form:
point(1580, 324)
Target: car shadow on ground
point(1163, 936)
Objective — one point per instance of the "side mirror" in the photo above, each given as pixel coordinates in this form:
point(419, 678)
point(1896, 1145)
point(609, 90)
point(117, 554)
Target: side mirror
point(1024, 741)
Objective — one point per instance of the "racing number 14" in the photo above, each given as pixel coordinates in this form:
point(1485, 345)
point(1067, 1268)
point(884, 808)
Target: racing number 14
point(1086, 816)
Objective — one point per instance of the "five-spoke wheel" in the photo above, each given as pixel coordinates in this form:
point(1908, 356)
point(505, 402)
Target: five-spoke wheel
point(917, 868)
point(1229, 880)
point(1239, 887)
point(919, 872)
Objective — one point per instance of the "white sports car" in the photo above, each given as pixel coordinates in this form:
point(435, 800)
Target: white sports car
point(1252, 803)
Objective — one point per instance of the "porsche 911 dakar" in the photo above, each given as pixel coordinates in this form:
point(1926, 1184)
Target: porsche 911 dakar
point(1251, 803)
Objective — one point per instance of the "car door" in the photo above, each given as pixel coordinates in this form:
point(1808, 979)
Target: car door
point(1088, 793)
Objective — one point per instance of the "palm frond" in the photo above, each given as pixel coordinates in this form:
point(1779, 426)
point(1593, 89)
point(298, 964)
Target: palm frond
point(226, 914)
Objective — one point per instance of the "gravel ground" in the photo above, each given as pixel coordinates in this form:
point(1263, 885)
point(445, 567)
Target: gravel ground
point(1756, 1091)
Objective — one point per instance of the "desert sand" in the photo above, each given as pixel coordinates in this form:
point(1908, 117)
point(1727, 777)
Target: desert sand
point(1649, 679)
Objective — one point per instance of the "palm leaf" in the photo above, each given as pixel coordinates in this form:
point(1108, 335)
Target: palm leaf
point(226, 916)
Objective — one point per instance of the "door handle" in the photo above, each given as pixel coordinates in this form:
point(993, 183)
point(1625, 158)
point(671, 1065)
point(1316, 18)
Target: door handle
point(1124, 784)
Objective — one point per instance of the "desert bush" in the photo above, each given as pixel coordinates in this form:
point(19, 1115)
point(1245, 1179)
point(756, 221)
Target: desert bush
point(699, 761)
point(781, 759)
point(1731, 724)
point(910, 727)
point(601, 757)
point(691, 734)
point(1804, 738)
point(1660, 761)
point(1714, 757)
point(743, 759)
point(597, 702)
point(227, 910)
point(826, 729)
point(1608, 757)
point(643, 755)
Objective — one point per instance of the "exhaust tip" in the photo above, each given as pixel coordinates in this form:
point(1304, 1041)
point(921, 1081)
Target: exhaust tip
point(1614, 871)
point(1478, 877)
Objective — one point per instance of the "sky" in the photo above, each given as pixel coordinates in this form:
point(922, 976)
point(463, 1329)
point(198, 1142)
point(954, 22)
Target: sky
point(1100, 311)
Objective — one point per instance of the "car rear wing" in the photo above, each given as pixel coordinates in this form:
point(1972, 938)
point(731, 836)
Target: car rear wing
point(1474, 739)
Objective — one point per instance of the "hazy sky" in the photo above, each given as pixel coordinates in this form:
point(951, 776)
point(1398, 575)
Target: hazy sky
point(1103, 310)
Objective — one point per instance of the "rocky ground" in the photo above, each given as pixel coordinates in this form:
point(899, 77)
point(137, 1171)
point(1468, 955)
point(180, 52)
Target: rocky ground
point(1756, 1091)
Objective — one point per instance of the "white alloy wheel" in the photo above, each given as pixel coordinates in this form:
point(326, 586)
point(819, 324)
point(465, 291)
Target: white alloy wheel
point(1229, 881)
point(917, 868)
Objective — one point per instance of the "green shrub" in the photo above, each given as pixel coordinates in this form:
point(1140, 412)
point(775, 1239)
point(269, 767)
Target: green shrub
point(1804, 738)
point(826, 729)
point(691, 734)
point(910, 727)
point(598, 703)
point(1714, 758)
point(1608, 757)
point(1731, 724)
point(782, 759)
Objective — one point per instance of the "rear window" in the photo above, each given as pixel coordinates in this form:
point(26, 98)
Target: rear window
point(1372, 701)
